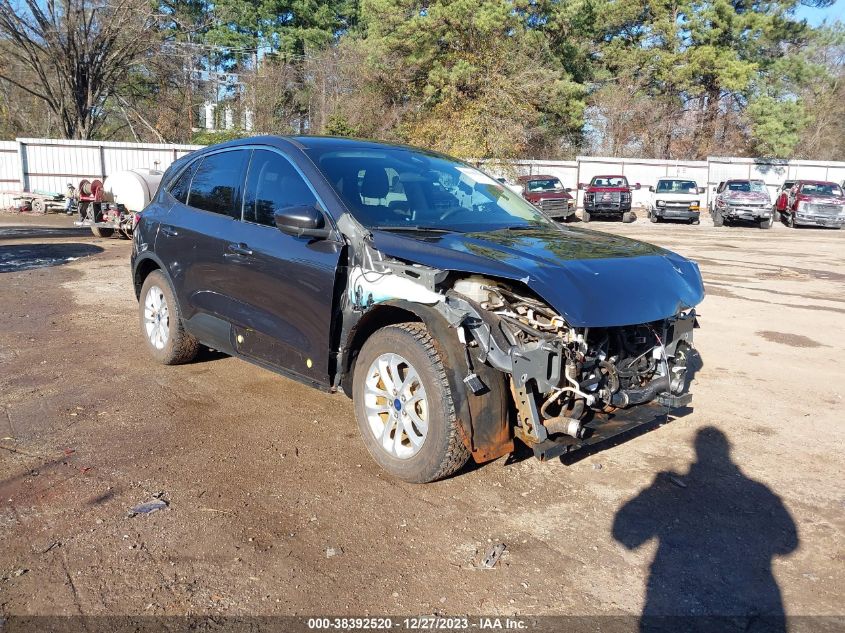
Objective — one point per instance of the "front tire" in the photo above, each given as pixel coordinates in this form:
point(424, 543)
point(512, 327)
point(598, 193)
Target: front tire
point(628, 217)
point(585, 216)
point(653, 217)
point(161, 322)
point(404, 407)
point(718, 219)
point(766, 223)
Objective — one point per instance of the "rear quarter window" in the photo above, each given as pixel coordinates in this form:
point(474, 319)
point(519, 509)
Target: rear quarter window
point(179, 188)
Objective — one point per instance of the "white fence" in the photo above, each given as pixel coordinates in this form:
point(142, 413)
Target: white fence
point(32, 164)
point(37, 164)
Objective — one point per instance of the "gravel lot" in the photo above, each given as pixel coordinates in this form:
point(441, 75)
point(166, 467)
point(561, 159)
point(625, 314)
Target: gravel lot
point(275, 507)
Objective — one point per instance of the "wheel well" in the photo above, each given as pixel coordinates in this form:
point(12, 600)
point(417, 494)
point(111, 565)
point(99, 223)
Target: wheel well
point(144, 268)
point(377, 318)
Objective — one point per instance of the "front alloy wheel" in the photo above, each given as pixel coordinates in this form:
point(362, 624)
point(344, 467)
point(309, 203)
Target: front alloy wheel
point(404, 407)
point(396, 406)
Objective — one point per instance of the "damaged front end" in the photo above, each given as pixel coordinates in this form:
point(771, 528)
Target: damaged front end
point(518, 368)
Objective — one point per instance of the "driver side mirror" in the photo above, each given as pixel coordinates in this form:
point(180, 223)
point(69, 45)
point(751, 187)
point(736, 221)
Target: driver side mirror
point(651, 189)
point(302, 221)
point(701, 189)
point(568, 189)
point(581, 185)
point(637, 186)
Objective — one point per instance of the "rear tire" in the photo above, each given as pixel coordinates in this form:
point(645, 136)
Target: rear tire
point(441, 452)
point(718, 220)
point(161, 322)
point(102, 231)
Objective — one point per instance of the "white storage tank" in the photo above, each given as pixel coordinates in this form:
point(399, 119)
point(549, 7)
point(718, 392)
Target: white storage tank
point(133, 188)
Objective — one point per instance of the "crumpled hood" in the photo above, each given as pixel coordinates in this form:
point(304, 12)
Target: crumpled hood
point(746, 196)
point(592, 279)
point(547, 195)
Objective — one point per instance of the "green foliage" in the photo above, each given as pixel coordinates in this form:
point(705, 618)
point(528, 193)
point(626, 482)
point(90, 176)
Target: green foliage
point(337, 125)
point(207, 137)
point(776, 126)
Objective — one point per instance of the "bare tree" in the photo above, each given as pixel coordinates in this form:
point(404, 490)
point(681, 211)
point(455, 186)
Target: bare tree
point(76, 54)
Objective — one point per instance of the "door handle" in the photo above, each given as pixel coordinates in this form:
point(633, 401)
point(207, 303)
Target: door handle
point(240, 249)
point(169, 231)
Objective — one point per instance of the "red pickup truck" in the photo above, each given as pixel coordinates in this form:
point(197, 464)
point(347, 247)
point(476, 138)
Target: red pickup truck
point(548, 194)
point(812, 203)
point(608, 196)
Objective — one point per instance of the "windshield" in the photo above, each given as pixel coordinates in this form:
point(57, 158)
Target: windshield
point(676, 186)
point(401, 188)
point(609, 181)
point(544, 184)
point(747, 185)
point(821, 189)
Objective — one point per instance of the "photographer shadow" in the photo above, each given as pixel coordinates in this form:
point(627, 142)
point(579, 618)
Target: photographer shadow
point(717, 532)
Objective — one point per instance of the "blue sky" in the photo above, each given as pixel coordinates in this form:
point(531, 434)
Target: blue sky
point(815, 16)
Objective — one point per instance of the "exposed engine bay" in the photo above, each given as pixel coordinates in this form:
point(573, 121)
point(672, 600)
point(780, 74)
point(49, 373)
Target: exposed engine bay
point(563, 380)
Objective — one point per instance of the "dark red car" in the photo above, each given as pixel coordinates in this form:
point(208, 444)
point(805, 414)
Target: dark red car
point(813, 203)
point(548, 193)
point(608, 196)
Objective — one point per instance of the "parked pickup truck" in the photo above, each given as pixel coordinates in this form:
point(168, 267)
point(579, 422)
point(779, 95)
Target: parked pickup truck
point(608, 196)
point(742, 200)
point(675, 199)
point(814, 203)
point(456, 322)
point(549, 194)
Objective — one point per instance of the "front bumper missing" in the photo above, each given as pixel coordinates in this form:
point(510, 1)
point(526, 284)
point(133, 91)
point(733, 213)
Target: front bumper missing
point(602, 427)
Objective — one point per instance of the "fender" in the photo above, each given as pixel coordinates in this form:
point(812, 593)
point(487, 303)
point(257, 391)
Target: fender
point(483, 419)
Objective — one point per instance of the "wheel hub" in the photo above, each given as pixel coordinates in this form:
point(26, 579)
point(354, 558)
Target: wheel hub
point(396, 406)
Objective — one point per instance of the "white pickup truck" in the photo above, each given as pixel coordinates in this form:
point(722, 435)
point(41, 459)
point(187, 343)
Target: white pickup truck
point(675, 199)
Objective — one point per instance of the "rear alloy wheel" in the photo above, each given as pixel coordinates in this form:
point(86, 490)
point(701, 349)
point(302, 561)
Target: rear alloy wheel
point(403, 405)
point(161, 322)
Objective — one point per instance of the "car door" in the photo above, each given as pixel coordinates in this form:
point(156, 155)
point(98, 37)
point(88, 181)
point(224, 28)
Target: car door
point(284, 296)
point(193, 241)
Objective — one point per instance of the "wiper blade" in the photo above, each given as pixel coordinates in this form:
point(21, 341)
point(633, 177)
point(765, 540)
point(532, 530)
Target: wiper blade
point(429, 229)
point(522, 227)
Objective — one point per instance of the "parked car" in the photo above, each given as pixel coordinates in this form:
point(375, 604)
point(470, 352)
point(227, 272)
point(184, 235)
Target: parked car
point(439, 311)
point(742, 200)
point(814, 203)
point(675, 199)
point(781, 198)
point(608, 196)
point(549, 194)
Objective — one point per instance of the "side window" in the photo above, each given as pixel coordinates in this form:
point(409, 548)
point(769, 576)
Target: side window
point(217, 183)
point(271, 185)
point(179, 189)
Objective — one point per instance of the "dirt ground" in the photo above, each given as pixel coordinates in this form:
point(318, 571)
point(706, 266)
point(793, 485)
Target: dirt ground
point(276, 508)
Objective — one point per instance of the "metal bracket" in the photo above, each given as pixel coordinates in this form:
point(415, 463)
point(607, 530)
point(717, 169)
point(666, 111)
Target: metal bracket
point(526, 410)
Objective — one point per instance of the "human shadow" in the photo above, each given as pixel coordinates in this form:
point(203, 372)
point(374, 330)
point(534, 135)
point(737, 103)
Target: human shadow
point(717, 532)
